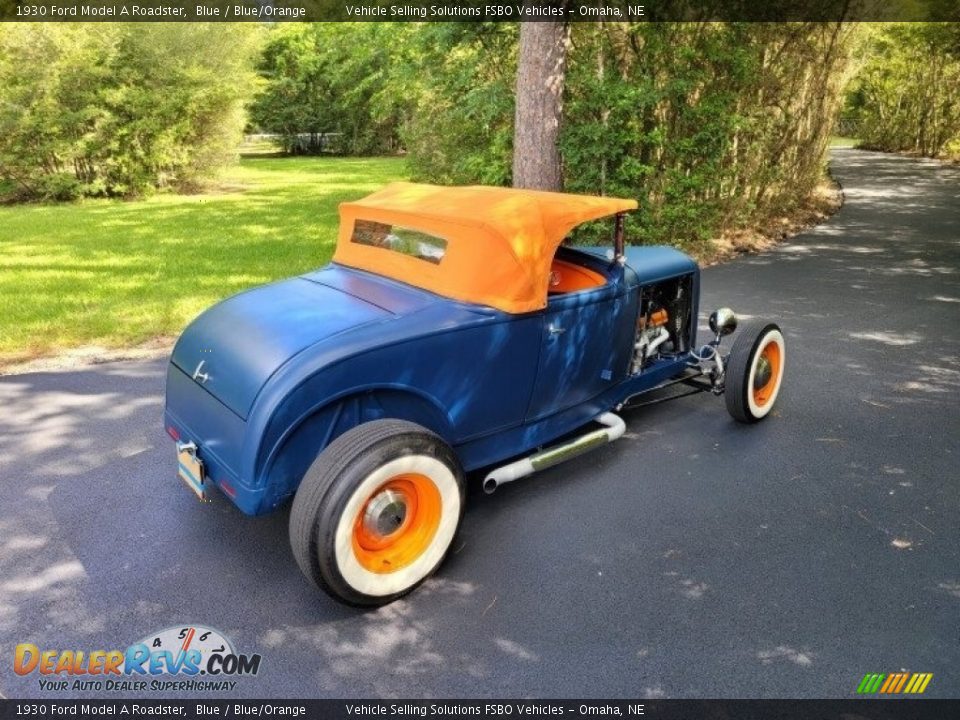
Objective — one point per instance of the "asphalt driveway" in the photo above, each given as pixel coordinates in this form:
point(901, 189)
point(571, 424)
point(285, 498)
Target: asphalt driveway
point(694, 558)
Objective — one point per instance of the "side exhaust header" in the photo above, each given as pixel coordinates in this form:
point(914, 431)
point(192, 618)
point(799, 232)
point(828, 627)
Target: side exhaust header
point(614, 428)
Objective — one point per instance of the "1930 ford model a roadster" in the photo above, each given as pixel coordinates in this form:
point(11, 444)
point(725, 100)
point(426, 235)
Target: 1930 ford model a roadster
point(453, 331)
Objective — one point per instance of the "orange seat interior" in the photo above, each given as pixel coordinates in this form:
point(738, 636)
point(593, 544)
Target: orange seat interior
point(567, 277)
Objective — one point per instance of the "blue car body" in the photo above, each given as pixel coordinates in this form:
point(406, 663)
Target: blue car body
point(262, 382)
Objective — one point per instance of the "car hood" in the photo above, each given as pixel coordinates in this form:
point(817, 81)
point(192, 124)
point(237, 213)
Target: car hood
point(233, 348)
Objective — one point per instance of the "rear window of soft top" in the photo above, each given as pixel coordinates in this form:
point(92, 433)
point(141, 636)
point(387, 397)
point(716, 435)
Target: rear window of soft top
point(413, 243)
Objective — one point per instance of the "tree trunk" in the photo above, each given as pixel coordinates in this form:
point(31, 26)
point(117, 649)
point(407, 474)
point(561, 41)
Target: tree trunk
point(540, 74)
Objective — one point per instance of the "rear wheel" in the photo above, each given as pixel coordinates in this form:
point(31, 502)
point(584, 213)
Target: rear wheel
point(377, 511)
point(755, 371)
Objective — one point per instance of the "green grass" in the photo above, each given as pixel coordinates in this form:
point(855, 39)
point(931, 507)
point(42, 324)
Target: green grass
point(838, 141)
point(115, 274)
point(259, 147)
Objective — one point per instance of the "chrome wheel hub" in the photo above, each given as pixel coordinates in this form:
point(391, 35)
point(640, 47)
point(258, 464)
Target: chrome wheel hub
point(385, 513)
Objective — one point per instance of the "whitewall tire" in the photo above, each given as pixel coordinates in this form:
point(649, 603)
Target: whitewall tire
point(377, 512)
point(754, 374)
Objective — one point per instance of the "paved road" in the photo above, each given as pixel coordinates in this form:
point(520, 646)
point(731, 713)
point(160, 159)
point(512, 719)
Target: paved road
point(695, 558)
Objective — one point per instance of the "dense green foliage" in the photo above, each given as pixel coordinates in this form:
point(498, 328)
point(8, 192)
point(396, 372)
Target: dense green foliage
point(458, 79)
point(119, 109)
point(907, 95)
point(710, 125)
point(442, 91)
point(328, 88)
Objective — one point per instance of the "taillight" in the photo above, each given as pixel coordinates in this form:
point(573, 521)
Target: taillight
point(228, 488)
point(173, 432)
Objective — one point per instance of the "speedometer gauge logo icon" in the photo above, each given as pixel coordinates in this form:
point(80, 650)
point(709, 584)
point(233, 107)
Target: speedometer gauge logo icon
point(179, 640)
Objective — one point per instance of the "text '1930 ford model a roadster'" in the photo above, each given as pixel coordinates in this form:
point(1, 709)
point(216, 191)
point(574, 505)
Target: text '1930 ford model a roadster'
point(453, 332)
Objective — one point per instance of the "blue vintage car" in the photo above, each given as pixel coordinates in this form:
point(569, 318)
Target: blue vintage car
point(454, 331)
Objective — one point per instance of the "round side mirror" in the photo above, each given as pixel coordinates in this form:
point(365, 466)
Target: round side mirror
point(723, 321)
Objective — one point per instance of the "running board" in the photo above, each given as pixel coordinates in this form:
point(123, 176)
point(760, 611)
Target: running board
point(614, 428)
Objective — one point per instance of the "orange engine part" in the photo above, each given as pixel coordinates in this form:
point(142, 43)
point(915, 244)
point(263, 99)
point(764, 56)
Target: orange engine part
point(657, 319)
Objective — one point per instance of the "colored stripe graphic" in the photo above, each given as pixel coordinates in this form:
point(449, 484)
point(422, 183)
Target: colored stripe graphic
point(891, 681)
point(894, 683)
point(870, 683)
point(918, 683)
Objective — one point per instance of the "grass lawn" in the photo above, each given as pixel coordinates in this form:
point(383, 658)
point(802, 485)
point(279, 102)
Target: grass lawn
point(838, 141)
point(115, 274)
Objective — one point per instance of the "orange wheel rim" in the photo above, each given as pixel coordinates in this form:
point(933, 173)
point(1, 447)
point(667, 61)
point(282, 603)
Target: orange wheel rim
point(771, 357)
point(397, 523)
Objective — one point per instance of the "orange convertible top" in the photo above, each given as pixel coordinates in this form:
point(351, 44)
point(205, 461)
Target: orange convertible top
point(499, 242)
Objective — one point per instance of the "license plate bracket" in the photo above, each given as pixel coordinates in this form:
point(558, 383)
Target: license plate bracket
point(190, 469)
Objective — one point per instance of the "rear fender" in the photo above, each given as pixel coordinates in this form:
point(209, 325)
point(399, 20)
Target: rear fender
point(284, 465)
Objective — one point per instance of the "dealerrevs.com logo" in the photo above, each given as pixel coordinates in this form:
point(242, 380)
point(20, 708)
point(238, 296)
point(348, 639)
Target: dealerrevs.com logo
point(188, 658)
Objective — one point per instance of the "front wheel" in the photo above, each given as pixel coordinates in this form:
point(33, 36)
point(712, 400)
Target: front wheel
point(377, 511)
point(755, 371)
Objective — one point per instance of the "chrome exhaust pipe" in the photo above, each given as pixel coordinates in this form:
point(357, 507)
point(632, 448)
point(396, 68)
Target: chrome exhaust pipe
point(614, 428)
